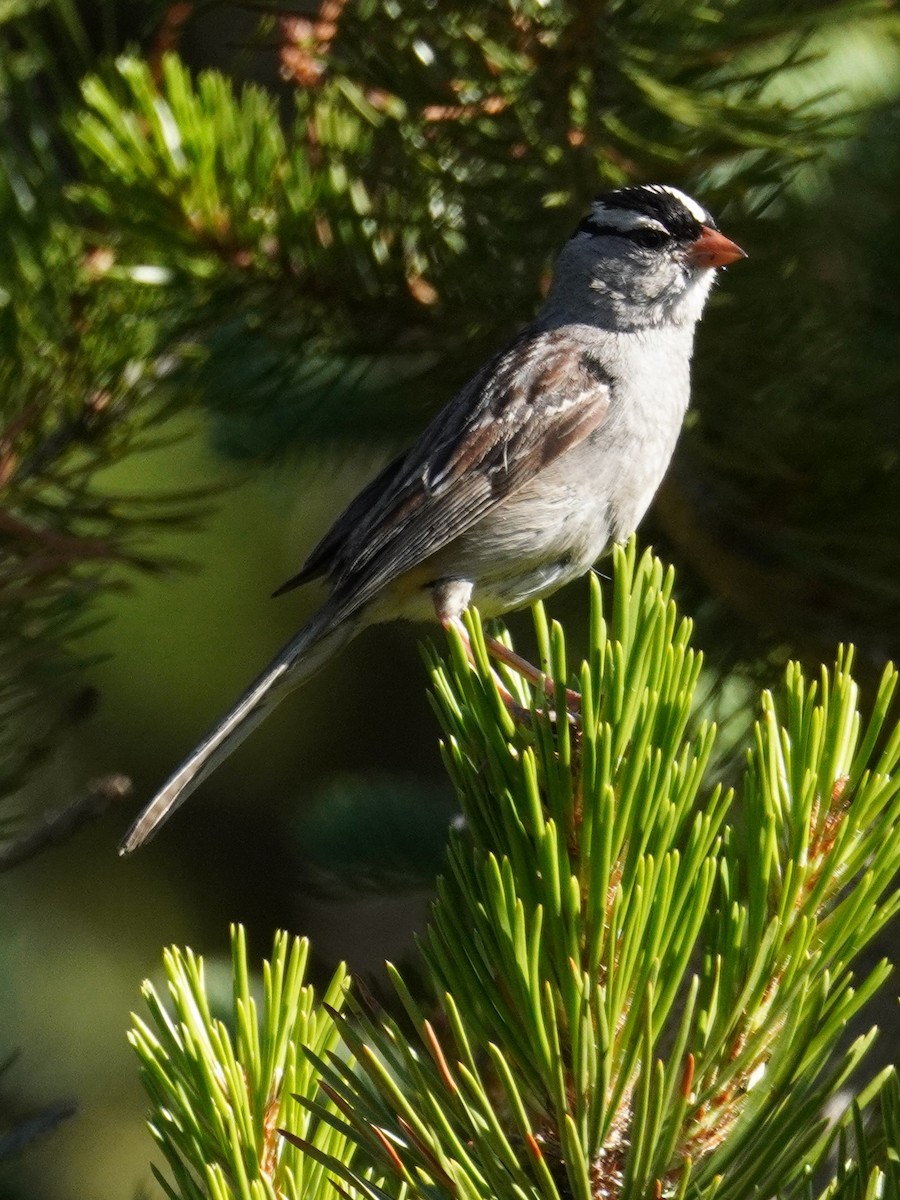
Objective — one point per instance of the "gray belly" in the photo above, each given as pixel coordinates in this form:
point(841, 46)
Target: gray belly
point(555, 527)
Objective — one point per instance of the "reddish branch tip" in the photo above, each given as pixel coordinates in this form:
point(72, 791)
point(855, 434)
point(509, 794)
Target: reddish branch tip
point(687, 1077)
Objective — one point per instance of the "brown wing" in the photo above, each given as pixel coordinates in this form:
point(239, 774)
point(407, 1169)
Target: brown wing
point(530, 404)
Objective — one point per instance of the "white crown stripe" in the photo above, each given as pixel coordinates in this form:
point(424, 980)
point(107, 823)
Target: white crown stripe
point(607, 213)
point(623, 218)
point(697, 211)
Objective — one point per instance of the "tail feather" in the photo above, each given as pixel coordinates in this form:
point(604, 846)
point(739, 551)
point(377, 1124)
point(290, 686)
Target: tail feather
point(302, 657)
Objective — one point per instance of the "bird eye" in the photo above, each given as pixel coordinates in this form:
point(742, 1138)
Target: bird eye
point(649, 239)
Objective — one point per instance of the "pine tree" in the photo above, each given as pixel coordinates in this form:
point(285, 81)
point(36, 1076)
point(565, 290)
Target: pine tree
point(308, 261)
point(638, 988)
point(303, 260)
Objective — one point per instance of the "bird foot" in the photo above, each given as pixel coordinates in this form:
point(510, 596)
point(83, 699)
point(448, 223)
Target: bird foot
point(534, 675)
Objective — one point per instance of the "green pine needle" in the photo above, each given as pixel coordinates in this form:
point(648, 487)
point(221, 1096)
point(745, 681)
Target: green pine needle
point(641, 980)
point(222, 1089)
point(656, 974)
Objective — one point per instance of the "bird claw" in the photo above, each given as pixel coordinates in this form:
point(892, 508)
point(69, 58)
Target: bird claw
point(534, 675)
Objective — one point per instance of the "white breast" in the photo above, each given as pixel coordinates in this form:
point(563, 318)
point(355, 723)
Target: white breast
point(560, 522)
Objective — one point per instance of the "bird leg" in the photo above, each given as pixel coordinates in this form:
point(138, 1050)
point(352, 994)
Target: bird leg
point(503, 654)
point(509, 700)
point(451, 598)
point(529, 671)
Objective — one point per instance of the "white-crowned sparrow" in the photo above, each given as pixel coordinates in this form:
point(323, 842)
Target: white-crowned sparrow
point(552, 452)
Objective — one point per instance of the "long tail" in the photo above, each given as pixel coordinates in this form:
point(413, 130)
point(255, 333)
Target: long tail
point(300, 658)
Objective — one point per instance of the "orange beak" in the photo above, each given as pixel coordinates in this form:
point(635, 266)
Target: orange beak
point(713, 249)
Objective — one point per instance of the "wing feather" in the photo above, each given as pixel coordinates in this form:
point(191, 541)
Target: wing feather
point(527, 406)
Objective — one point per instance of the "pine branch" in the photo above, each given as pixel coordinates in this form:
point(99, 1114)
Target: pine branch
point(417, 149)
point(221, 1087)
point(16, 1140)
point(641, 985)
point(58, 826)
point(81, 388)
point(395, 175)
point(19, 1136)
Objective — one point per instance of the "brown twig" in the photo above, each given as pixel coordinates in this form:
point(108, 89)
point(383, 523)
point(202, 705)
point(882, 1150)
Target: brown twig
point(17, 1139)
point(68, 546)
point(9, 459)
point(58, 825)
point(306, 44)
point(168, 35)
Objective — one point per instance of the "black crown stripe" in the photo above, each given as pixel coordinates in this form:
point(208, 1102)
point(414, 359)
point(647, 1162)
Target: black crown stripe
point(657, 204)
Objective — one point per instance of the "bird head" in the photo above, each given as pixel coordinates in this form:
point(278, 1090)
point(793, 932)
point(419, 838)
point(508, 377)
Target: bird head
point(644, 255)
